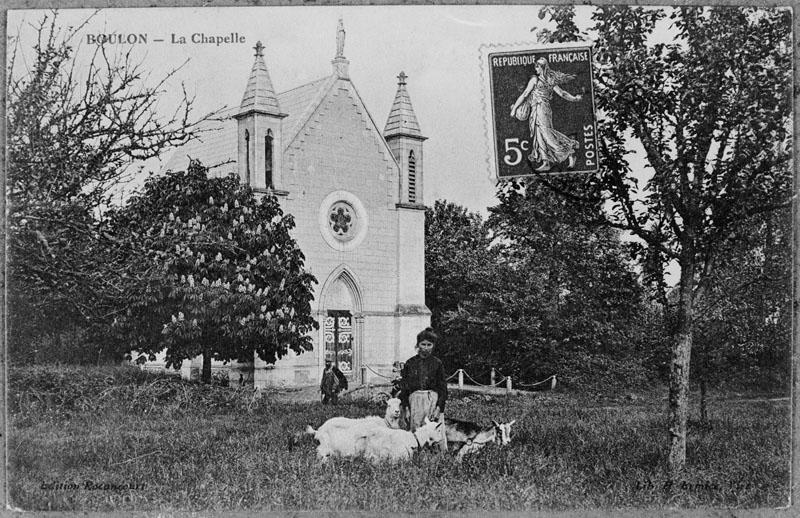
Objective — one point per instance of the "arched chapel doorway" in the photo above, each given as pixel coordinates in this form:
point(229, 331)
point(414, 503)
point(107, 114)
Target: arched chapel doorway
point(342, 323)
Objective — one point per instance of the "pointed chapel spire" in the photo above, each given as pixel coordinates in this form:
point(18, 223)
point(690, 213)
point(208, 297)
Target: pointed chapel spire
point(259, 96)
point(402, 120)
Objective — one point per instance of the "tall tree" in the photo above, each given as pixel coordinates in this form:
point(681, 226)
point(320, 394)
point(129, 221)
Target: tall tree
point(214, 271)
point(585, 291)
point(711, 109)
point(457, 256)
point(532, 292)
point(72, 131)
point(460, 267)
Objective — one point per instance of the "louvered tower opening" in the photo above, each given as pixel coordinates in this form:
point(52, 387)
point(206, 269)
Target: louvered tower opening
point(412, 178)
point(247, 155)
point(268, 159)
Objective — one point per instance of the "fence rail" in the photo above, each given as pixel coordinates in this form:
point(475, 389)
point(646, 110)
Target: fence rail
point(494, 383)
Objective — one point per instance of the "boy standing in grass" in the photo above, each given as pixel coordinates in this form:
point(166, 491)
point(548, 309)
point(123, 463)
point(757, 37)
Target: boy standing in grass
point(423, 388)
point(333, 381)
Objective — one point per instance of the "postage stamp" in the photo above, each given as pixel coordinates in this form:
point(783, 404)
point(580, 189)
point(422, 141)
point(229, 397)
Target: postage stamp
point(539, 108)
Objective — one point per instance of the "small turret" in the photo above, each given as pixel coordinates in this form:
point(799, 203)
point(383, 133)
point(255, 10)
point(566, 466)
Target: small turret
point(259, 129)
point(405, 139)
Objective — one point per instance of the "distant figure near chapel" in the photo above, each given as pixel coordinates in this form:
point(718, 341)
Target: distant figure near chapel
point(333, 382)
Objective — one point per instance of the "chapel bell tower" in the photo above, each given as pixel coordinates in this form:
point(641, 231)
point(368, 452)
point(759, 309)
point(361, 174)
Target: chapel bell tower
point(403, 135)
point(259, 132)
point(404, 138)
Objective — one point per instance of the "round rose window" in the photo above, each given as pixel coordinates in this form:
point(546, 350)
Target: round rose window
point(342, 221)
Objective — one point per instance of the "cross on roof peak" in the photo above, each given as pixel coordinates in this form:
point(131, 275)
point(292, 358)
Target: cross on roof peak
point(259, 48)
point(401, 79)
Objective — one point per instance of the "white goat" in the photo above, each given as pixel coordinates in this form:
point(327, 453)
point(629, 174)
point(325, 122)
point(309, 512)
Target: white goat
point(394, 445)
point(375, 442)
point(391, 419)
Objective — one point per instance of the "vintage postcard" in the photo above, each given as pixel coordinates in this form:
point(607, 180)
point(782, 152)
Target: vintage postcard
point(409, 259)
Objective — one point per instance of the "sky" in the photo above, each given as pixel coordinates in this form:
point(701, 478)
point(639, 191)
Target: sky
point(436, 46)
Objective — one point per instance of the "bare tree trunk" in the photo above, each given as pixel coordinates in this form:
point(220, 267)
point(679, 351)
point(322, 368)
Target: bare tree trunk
point(679, 368)
point(795, 376)
point(206, 375)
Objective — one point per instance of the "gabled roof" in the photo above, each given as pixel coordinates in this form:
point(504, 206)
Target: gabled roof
point(300, 103)
point(309, 97)
point(216, 143)
point(216, 139)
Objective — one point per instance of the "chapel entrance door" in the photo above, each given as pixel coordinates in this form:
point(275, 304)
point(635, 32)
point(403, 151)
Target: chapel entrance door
point(338, 334)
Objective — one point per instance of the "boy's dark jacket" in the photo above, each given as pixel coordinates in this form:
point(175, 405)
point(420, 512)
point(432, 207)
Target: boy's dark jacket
point(326, 379)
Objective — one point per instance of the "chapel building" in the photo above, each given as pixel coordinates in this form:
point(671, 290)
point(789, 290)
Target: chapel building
point(356, 194)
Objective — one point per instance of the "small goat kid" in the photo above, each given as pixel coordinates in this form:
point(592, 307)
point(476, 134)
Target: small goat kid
point(474, 437)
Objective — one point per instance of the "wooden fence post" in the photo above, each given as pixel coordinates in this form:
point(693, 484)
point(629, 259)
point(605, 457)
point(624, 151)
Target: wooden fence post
point(461, 379)
point(508, 384)
point(492, 375)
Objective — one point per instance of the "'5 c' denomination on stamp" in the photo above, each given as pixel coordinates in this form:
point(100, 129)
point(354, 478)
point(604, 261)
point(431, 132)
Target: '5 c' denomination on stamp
point(539, 107)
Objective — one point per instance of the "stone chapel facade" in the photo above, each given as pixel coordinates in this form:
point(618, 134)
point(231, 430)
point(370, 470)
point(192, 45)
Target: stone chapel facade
point(356, 194)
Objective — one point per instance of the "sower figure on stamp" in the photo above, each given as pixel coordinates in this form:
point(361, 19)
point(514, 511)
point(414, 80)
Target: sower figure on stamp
point(423, 388)
point(333, 382)
point(548, 145)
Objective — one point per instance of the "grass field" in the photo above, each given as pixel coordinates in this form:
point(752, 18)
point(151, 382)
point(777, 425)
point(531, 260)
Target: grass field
point(120, 439)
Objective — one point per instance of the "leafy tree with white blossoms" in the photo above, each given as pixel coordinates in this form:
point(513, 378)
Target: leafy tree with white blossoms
point(214, 271)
